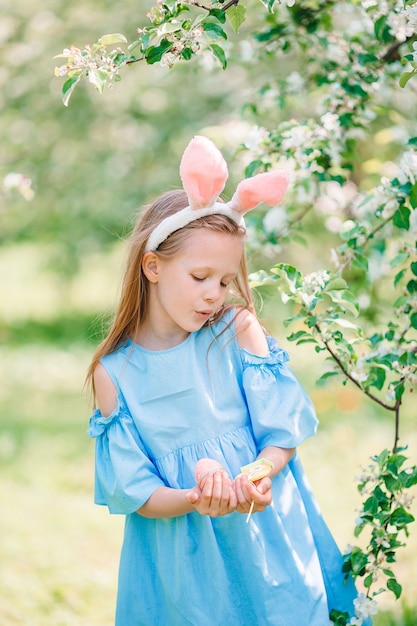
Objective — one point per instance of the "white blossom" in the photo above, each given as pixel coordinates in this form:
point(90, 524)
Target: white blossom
point(312, 285)
point(275, 220)
point(19, 182)
point(295, 82)
point(364, 607)
point(408, 168)
point(411, 16)
point(256, 138)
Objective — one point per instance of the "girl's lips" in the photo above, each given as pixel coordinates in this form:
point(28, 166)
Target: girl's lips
point(204, 315)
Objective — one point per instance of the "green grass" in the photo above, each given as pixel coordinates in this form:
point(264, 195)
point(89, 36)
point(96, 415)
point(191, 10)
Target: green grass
point(59, 552)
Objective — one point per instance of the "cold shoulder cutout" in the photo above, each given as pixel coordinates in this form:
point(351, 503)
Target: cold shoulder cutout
point(250, 335)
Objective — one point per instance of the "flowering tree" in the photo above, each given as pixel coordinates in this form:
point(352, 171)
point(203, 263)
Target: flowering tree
point(350, 61)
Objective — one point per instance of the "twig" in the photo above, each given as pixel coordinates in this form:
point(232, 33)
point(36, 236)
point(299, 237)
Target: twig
point(349, 376)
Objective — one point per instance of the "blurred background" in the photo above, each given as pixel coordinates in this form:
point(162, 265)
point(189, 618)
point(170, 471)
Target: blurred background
point(92, 166)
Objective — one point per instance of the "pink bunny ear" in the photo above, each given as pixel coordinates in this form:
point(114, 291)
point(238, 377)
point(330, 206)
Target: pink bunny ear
point(269, 187)
point(203, 172)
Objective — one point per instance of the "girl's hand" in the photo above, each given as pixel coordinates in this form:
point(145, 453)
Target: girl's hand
point(247, 492)
point(217, 497)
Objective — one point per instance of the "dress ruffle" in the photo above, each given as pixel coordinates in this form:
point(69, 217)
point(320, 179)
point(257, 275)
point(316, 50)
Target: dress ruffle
point(281, 412)
point(124, 475)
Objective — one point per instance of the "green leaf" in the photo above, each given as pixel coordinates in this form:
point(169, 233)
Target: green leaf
point(139, 42)
point(153, 54)
point(236, 15)
point(68, 88)
point(346, 300)
point(336, 283)
point(359, 561)
point(401, 218)
point(382, 458)
point(186, 53)
point(399, 276)
point(340, 321)
point(382, 30)
point(219, 14)
point(368, 580)
point(260, 278)
point(400, 258)
point(413, 196)
point(395, 587)
point(375, 339)
point(401, 517)
point(323, 378)
point(268, 4)
point(360, 262)
point(111, 39)
point(366, 58)
point(399, 391)
point(371, 505)
point(293, 275)
point(219, 54)
point(301, 334)
point(377, 377)
point(405, 77)
point(213, 30)
point(253, 167)
point(98, 79)
point(412, 286)
point(339, 618)
point(413, 267)
point(411, 478)
point(120, 58)
point(413, 319)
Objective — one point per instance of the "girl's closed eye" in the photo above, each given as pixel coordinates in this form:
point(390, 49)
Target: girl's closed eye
point(223, 284)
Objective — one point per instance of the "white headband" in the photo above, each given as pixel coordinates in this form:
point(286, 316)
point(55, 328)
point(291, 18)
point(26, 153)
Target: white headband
point(204, 173)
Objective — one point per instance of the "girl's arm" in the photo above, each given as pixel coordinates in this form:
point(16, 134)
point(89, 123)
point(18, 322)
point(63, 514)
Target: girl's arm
point(217, 498)
point(279, 457)
point(166, 502)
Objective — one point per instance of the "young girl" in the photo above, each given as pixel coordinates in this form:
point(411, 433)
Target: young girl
point(186, 373)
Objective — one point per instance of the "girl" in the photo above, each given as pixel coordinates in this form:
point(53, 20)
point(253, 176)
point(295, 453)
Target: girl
point(187, 372)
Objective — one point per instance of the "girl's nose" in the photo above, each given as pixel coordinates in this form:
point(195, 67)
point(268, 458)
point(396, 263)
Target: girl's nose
point(212, 294)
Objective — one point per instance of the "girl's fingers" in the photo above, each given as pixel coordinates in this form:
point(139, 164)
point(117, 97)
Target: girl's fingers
point(216, 495)
point(246, 492)
point(243, 500)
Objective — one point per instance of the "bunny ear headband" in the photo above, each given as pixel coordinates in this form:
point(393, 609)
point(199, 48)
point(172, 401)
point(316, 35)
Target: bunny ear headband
point(204, 173)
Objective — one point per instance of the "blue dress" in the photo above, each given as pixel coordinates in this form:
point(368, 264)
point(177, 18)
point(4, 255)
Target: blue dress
point(207, 397)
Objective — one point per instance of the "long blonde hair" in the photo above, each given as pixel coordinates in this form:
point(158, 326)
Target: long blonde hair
point(134, 299)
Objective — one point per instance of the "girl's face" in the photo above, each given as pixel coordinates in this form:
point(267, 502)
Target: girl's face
point(189, 288)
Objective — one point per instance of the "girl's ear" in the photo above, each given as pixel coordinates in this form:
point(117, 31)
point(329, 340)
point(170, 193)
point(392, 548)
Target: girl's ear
point(150, 266)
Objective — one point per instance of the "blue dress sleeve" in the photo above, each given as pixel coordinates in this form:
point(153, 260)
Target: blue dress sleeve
point(125, 477)
point(282, 414)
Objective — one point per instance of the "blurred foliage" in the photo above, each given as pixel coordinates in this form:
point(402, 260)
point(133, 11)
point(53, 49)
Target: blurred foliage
point(94, 164)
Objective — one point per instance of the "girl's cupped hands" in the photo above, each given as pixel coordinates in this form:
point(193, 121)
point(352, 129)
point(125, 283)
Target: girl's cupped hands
point(221, 496)
point(217, 496)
